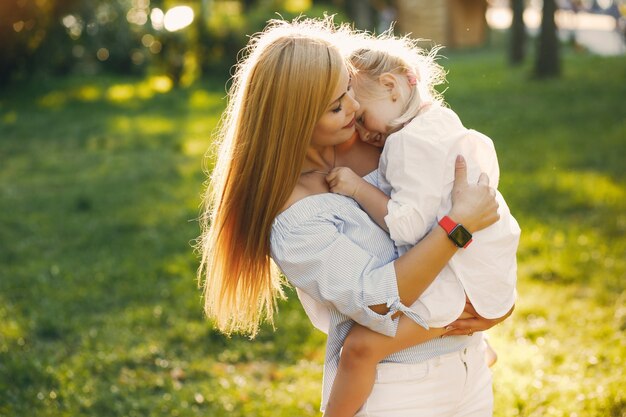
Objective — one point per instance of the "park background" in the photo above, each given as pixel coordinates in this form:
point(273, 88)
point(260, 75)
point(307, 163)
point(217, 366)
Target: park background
point(106, 112)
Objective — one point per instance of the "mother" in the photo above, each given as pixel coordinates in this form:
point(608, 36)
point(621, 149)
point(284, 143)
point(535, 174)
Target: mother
point(289, 121)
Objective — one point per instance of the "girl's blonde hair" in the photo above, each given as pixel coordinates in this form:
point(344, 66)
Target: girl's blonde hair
point(402, 57)
point(280, 89)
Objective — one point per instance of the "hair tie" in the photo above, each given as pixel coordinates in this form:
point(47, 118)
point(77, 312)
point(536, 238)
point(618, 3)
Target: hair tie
point(410, 75)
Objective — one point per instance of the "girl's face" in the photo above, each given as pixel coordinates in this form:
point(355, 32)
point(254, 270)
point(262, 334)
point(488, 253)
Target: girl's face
point(378, 108)
point(338, 122)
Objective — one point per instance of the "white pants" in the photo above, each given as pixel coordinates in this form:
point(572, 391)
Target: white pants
point(454, 385)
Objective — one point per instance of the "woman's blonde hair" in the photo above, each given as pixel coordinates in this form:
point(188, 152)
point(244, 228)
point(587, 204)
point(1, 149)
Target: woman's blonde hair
point(401, 56)
point(280, 89)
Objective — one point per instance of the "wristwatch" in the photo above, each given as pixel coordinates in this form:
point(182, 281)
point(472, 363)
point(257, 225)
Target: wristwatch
point(456, 232)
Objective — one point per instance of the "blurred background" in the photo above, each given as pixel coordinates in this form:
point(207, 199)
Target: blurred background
point(188, 40)
point(106, 114)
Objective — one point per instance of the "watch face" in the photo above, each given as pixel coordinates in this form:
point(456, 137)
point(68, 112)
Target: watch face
point(460, 236)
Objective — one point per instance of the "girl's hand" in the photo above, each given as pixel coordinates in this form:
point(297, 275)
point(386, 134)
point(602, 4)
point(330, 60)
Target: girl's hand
point(473, 205)
point(344, 181)
point(473, 323)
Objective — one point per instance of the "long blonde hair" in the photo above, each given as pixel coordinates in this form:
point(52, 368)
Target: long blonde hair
point(402, 57)
point(280, 90)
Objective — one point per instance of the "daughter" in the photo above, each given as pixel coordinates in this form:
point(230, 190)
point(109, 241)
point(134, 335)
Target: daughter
point(401, 111)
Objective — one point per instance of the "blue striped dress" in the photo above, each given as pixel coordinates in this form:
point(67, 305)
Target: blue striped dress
point(341, 262)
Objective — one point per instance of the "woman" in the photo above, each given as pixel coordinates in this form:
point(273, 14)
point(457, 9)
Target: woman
point(289, 121)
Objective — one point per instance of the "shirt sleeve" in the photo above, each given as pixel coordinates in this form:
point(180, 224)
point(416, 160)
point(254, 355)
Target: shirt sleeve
point(331, 269)
point(419, 166)
point(416, 171)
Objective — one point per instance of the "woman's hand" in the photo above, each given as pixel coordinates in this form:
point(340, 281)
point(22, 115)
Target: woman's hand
point(473, 323)
point(473, 205)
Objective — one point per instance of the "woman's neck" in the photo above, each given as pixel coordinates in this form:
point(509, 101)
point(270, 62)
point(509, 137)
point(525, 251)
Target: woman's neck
point(354, 153)
point(320, 159)
point(357, 155)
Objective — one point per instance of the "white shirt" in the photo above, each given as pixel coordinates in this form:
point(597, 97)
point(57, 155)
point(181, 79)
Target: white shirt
point(417, 171)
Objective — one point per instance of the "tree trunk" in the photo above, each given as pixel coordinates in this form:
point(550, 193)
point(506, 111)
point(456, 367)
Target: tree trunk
point(518, 33)
point(204, 39)
point(548, 62)
point(248, 5)
point(362, 13)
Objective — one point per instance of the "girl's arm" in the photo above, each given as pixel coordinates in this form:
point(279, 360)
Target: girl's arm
point(346, 182)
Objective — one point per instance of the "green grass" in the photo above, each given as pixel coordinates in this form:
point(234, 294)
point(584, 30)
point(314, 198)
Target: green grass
point(100, 314)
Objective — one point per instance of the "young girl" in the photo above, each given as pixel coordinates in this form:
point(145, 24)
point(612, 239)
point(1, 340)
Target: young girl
point(400, 110)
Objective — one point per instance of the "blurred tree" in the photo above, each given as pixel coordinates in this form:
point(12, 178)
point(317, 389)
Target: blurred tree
point(518, 33)
point(129, 36)
point(547, 62)
point(362, 12)
point(248, 4)
point(16, 24)
point(386, 14)
point(53, 36)
point(204, 37)
point(173, 55)
point(31, 31)
point(113, 31)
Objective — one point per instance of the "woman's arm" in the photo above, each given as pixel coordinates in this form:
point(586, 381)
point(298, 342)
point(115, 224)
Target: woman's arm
point(323, 262)
point(474, 206)
point(337, 273)
point(475, 323)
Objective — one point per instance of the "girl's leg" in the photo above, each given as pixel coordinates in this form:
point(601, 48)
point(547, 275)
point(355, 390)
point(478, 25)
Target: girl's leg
point(361, 352)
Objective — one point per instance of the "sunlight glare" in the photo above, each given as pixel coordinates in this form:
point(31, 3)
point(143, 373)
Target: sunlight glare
point(178, 18)
point(161, 84)
point(297, 6)
point(156, 17)
point(120, 92)
point(89, 93)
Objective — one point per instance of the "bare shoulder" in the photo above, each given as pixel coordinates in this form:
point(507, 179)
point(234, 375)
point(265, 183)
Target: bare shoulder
point(297, 194)
point(306, 186)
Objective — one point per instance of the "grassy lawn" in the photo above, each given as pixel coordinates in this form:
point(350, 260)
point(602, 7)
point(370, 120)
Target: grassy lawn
point(100, 314)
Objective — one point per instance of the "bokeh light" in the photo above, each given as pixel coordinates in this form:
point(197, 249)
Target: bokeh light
point(156, 17)
point(178, 18)
point(102, 54)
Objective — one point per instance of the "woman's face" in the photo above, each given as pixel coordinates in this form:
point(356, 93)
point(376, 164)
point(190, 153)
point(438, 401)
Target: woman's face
point(338, 122)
